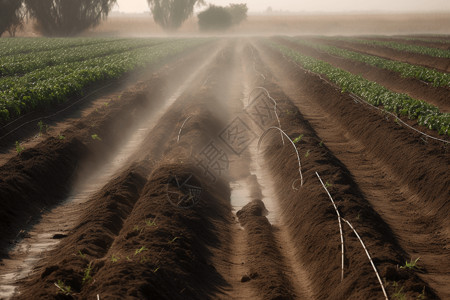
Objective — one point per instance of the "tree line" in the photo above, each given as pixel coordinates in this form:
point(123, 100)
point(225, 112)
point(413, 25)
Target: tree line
point(71, 17)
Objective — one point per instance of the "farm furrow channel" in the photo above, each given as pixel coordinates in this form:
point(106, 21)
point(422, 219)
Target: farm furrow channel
point(50, 183)
point(401, 194)
point(187, 189)
point(441, 64)
point(131, 229)
point(417, 89)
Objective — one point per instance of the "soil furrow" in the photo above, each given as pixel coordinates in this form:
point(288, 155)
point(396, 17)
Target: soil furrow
point(412, 223)
point(95, 217)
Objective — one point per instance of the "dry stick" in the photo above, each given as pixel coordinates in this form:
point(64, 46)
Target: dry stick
point(181, 128)
point(368, 255)
point(340, 226)
point(275, 109)
point(296, 151)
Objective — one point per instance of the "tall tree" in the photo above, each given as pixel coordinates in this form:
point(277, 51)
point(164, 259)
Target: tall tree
point(238, 12)
point(68, 17)
point(171, 14)
point(11, 16)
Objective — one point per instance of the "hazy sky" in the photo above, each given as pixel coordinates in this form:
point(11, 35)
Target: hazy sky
point(315, 5)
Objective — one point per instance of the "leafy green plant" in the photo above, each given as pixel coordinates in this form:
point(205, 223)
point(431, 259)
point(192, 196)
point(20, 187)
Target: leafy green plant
point(411, 265)
point(406, 70)
point(87, 274)
point(63, 288)
point(31, 79)
point(19, 147)
point(401, 104)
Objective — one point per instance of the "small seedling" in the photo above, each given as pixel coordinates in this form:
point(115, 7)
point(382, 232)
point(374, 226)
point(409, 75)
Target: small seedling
point(411, 265)
point(42, 127)
point(144, 259)
point(87, 273)
point(156, 270)
point(398, 294)
point(129, 259)
point(65, 289)
point(61, 137)
point(96, 137)
point(81, 254)
point(19, 147)
point(114, 258)
point(173, 240)
point(150, 222)
point(298, 139)
point(327, 184)
point(140, 250)
point(307, 153)
point(321, 144)
point(422, 295)
point(136, 228)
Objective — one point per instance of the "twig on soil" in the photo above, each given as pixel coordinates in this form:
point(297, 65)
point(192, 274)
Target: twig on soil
point(181, 128)
point(340, 226)
point(275, 109)
point(368, 255)
point(296, 151)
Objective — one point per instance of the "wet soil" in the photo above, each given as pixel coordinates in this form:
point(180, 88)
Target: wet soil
point(167, 223)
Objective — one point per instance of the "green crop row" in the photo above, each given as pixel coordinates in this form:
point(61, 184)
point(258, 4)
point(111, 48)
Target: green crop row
point(406, 70)
point(23, 63)
point(26, 45)
point(402, 47)
point(436, 40)
point(45, 87)
point(401, 104)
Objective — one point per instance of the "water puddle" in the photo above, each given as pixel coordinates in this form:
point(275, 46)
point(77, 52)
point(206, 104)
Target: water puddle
point(258, 185)
point(57, 223)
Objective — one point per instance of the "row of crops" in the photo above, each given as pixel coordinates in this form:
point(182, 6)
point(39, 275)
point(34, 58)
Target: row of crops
point(398, 46)
point(436, 78)
point(401, 104)
point(48, 71)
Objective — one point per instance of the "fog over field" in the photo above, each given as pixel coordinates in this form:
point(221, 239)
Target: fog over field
point(134, 6)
